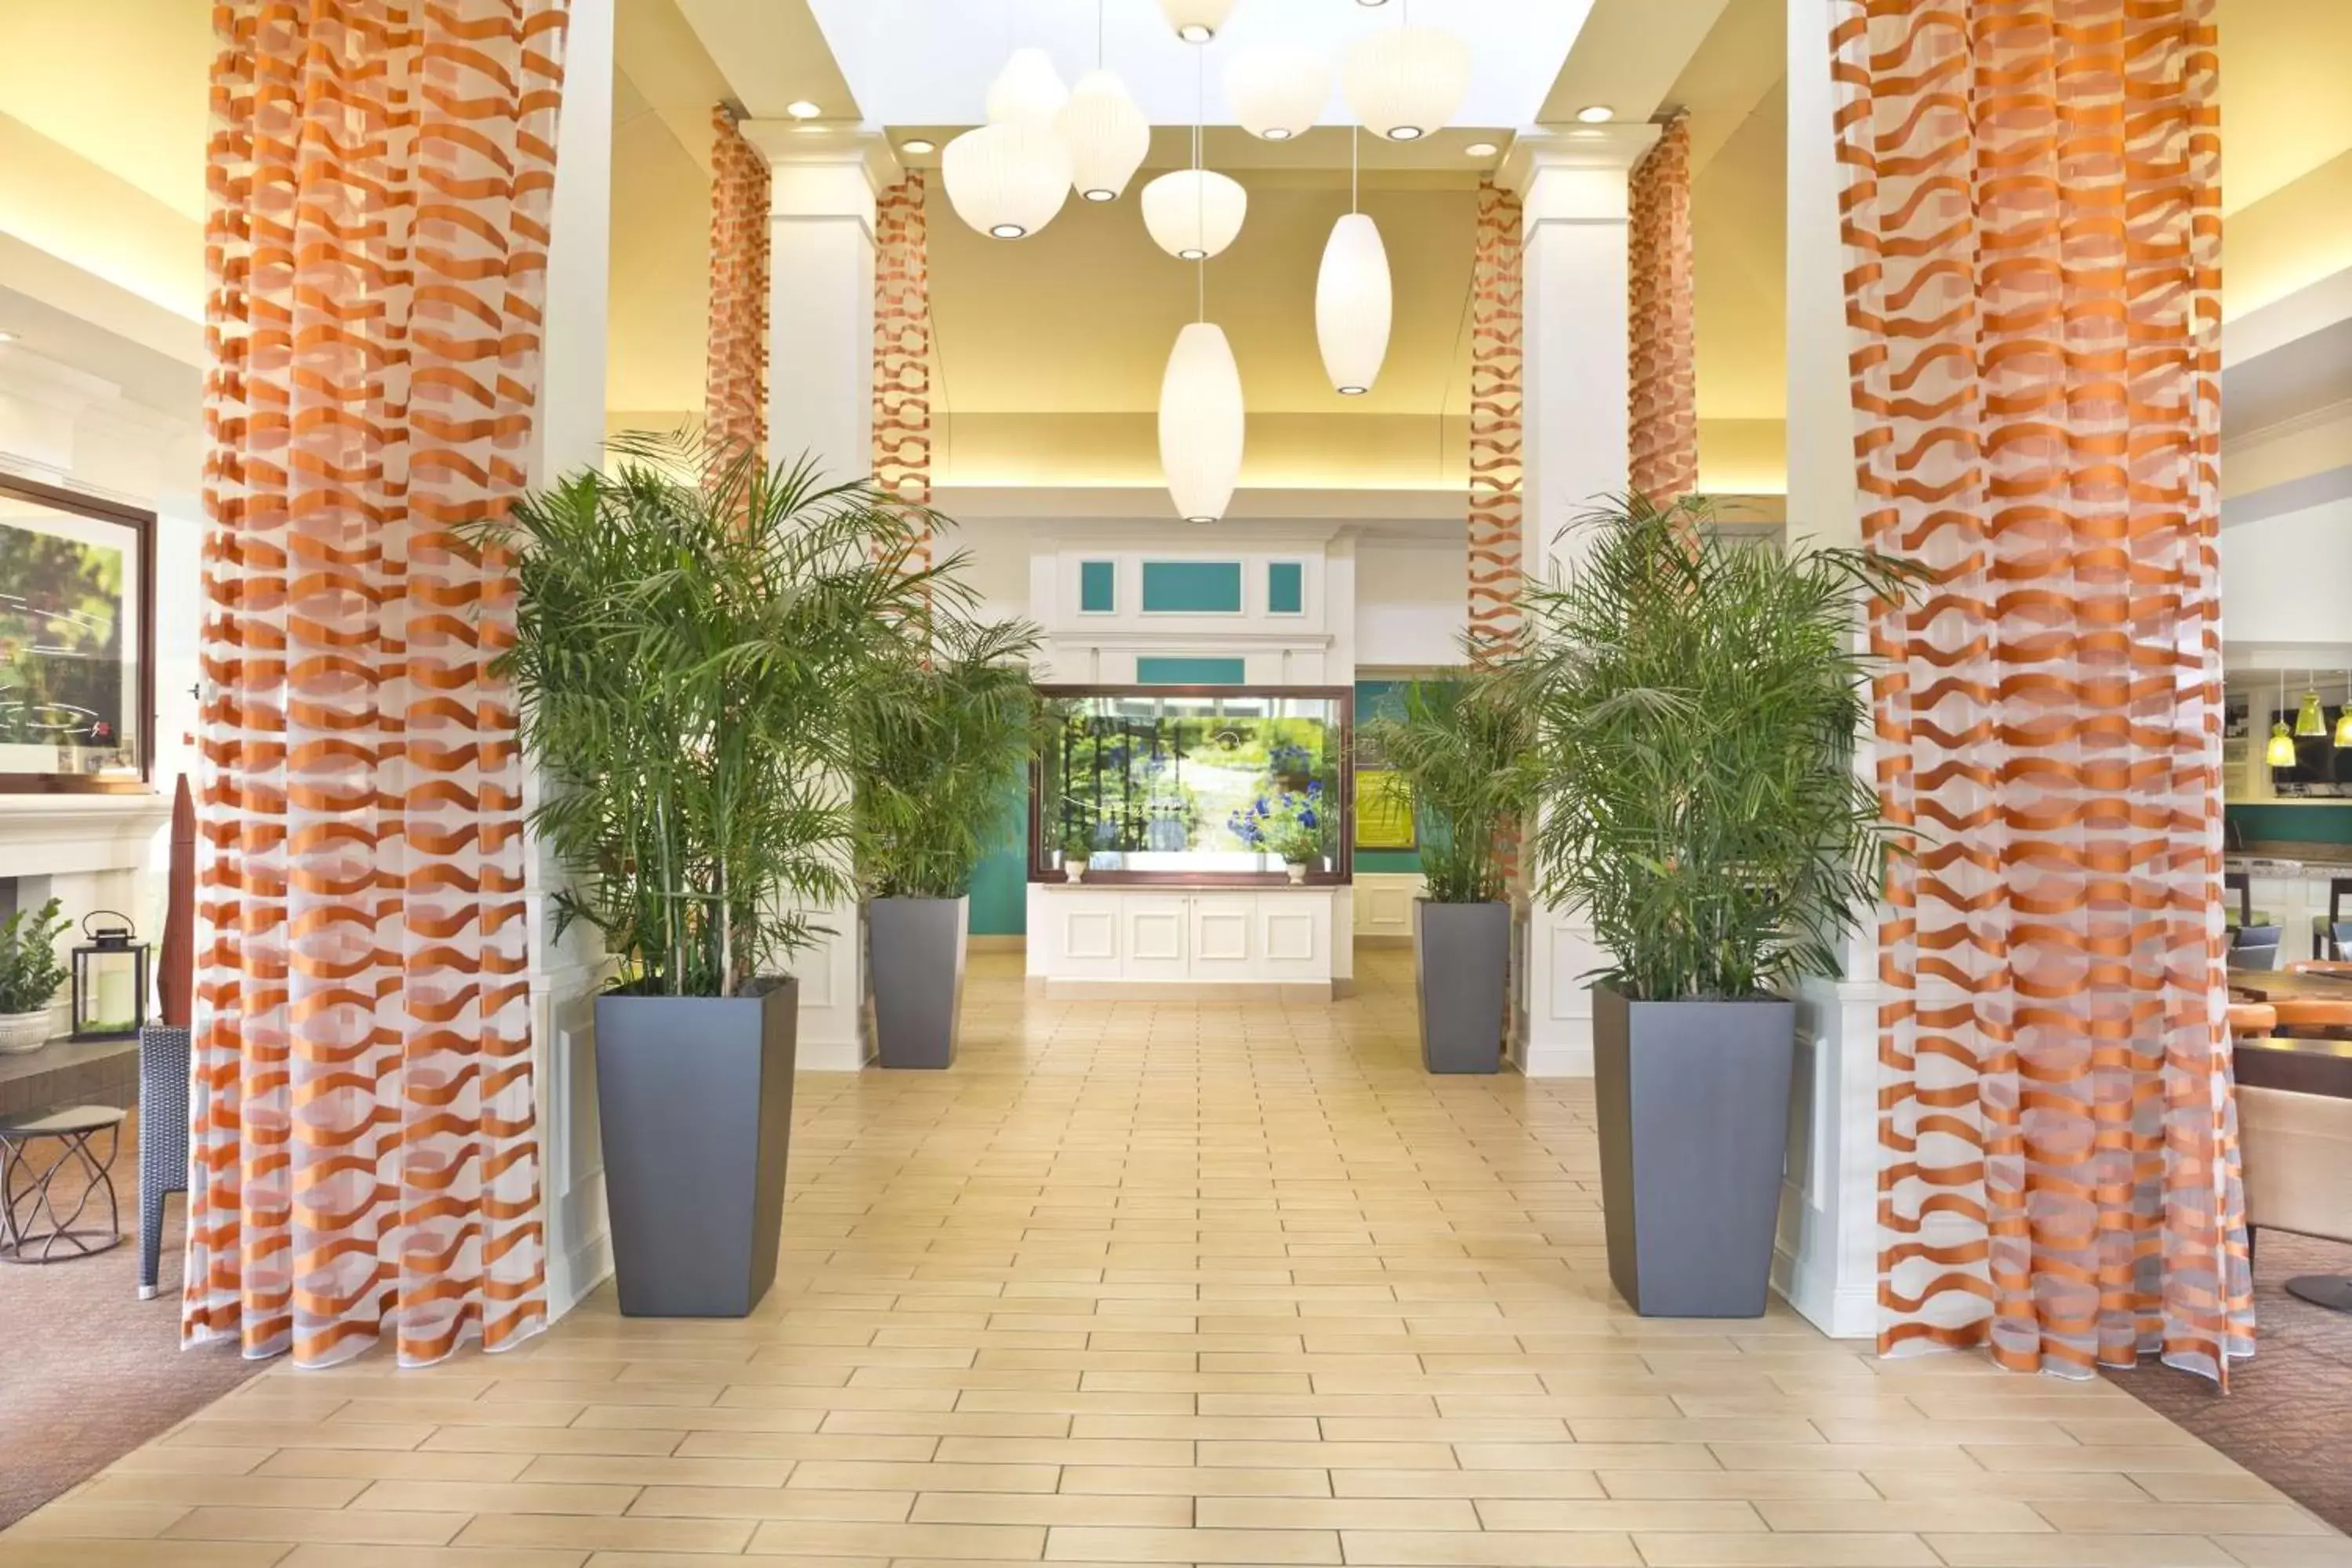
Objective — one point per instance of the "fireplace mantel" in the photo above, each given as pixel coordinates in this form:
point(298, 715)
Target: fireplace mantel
point(64, 835)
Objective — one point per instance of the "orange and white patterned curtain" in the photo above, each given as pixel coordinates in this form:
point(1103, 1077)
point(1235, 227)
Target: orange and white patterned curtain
point(365, 1159)
point(735, 384)
point(2034, 226)
point(902, 347)
point(1498, 406)
point(1663, 428)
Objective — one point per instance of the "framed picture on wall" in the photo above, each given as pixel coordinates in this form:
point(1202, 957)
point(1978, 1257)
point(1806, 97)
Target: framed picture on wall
point(77, 641)
point(1384, 811)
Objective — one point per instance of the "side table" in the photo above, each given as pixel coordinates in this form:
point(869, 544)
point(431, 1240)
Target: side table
point(32, 1230)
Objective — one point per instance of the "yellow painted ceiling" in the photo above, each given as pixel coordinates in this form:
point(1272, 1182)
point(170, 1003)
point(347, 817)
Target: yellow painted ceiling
point(119, 82)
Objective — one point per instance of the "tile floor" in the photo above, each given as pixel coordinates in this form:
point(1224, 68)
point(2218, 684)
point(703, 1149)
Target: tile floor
point(1162, 1284)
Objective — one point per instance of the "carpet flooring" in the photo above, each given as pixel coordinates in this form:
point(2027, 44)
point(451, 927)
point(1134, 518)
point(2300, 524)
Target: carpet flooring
point(87, 1371)
point(2288, 1414)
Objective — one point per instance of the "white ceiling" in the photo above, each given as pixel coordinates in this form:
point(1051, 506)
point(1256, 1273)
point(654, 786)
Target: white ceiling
point(928, 62)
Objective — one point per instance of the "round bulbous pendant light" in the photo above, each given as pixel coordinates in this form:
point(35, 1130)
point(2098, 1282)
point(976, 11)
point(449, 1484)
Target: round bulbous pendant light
point(1027, 91)
point(1006, 181)
point(1196, 21)
point(1277, 94)
point(1106, 135)
point(1404, 83)
point(1194, 214)
point(1202, 423)
point(1352, 305)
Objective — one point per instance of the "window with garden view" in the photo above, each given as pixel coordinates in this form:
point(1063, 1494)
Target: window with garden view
point(1201, 784)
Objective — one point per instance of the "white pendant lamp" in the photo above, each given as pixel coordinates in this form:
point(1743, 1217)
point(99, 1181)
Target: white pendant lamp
point(1277, 94)
point(1106, 135)
point(1027, 91)
point(1354, 301)
point(1202, 423)
point(1405, 83)
point(1194, 214)
point(1196, 21)
point(1352, 305)
point(1007, 181)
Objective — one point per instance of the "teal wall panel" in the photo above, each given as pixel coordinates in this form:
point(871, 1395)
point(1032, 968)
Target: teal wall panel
point(1383, 699)
point(999, 883)
point(2292, 823)
point(1097, 591)
point(1191, 671)
point(1286, 588)
point(1192, 587)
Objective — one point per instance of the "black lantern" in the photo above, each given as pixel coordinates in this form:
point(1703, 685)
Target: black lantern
point(109, 980)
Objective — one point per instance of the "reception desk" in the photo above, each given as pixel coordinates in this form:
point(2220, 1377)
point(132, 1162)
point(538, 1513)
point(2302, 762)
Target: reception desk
point(1173, 941)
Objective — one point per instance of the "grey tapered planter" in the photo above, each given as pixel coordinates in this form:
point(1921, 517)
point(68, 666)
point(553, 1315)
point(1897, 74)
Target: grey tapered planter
point(1461, 960)
point(1692, 1102)
point(915, 951)
point(694, 1095)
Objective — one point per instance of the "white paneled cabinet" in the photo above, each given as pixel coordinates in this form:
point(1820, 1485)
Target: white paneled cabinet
point(1243, 938)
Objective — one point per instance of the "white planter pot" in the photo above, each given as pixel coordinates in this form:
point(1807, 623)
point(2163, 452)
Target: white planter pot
point(23, 1032)
point(1297, 875)
point(1076, 871)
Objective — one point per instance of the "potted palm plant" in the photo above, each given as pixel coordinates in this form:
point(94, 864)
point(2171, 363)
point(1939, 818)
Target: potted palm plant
point(939, 736)
point(694, 632)
point(1459, 756)
point(1696, 703)
point(30, 975)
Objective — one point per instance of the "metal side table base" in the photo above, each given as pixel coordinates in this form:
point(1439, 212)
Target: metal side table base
point(33, 1229)
point(2333, 1292)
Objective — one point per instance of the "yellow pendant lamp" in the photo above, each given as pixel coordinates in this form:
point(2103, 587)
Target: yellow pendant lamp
point(2280, 752)
point(2308, 718)
point(2344, 720)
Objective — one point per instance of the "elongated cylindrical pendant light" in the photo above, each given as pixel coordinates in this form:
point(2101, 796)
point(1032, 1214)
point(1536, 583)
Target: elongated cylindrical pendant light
point(1201, 422)
point(1277, 94)
point(1404, 83)
point(1196, 21)
point(1106, 135)
point(1353, 300)
point(1006, 181)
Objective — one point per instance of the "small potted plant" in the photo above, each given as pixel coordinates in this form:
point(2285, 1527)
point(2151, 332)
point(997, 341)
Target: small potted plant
point(1695, 703)
point(1459, 759)
point(1287, 824)
point(1077, 848)
point(30, 976)
point(939, 737)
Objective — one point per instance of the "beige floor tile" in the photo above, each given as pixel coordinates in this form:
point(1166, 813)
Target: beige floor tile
point(358, 1527)
point(1490, 1548)
point(1667, 1550)
point(1195, 1546)
point(1033, 1508)
point(1341, 1514)
point(33, 1553)
point(1172, 1283)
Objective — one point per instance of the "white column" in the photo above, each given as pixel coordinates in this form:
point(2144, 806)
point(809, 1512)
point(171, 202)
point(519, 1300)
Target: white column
point(823, 180)
point(1571, 183)
point(568, 434)
point(1826, 1260)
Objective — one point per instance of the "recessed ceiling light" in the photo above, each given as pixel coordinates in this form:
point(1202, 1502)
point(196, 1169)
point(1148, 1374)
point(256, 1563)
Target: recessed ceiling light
point(1596, 113)
point(1481, 150)
point(7, 337)
point(802, 109)
point(918, 145)
point(1196, 33)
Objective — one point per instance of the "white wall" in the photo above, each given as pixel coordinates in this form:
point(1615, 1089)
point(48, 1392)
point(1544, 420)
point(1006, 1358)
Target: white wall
point(1411, 597)
point(2288, 579)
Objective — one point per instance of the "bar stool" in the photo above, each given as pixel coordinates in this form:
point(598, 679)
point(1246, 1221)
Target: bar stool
point(2326, 941)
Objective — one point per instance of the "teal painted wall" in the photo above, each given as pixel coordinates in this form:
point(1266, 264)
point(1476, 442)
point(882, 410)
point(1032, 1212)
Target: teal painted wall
point(1000, 884)
point(1384, 698)
point(1192, 587)
point(2293, 824)
point(1151, 671)
point(1286, 588)
point(1098, 587)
